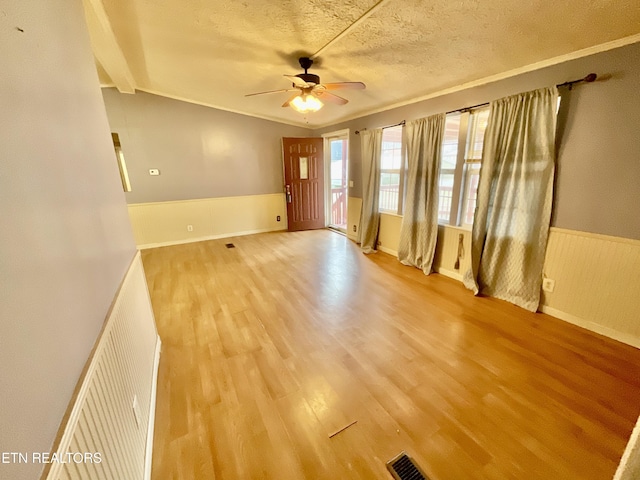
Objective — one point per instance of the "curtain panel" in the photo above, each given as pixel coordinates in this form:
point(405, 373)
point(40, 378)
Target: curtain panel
point(515, 193)
point(419, 231)
point(371, 148)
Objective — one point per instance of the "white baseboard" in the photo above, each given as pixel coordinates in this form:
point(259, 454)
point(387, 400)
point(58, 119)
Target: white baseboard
point(209, 237)
point(387, 250)
point(448, 273)
point(148, 456)
point(592, 326)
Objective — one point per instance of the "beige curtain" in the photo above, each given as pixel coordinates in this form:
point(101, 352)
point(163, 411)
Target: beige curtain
point(515, 193)
point(371, 148)
point(419, 230)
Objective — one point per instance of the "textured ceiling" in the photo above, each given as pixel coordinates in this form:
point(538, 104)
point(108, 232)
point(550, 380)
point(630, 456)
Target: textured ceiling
point(215, 52)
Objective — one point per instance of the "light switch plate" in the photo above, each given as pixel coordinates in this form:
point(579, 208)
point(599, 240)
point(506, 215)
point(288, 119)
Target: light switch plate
point(351, 183)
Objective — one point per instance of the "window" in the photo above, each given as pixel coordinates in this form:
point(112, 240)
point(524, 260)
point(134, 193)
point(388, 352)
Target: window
point(448, 166)
point(391, 171)
point(460, 166)
point(338, 191)
point(472, 161)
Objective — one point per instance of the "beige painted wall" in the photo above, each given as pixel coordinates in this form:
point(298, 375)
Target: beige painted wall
point(201, 152)
point(65, 239)
point(597, 178)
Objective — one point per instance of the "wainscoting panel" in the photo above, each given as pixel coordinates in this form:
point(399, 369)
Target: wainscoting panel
point(354, 208)
point(115, 437)
point(597, 282)
point(597, 277)
point(389, 234)
point(446, 248)
point(166, 223)
point(447, 251)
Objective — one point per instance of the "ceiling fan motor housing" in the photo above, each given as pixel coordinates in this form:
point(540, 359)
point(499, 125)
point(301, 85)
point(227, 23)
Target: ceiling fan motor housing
point(309, 78)
point(305, 63)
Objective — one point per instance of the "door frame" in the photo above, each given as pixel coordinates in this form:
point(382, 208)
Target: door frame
point(326, 138)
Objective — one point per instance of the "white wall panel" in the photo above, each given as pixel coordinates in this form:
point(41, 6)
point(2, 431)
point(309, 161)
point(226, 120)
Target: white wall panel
point(597, 282)
point(597, 277)
point(389, 233)
point(447, 251)
point(354, 209)
point(124, 366)
point(165, 223)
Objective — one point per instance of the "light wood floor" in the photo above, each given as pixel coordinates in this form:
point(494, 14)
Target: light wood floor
point(271, 347)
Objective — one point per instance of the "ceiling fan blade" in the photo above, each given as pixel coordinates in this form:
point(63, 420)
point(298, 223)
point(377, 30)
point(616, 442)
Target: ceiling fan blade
point(272, 91)
point(330, 97)
point(345, 86)
point(298, 82)
point(286, 104)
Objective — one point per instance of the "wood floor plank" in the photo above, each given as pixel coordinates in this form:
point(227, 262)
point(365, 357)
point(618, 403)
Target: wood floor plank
point(270, 347)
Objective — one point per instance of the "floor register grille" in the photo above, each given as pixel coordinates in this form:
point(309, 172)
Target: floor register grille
point(402, 467)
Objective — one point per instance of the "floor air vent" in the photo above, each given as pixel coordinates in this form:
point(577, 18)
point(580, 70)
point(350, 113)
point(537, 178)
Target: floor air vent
point(403, 468)
point(229, 245)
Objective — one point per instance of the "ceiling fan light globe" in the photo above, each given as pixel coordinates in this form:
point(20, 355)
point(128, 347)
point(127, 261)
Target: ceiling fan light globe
point(306, 104)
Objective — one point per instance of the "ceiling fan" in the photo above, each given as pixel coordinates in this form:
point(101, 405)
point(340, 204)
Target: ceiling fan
point(310, 93)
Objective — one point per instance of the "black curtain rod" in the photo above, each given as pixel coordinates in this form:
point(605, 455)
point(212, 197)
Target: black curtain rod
point(388, 126)
point(588, 79)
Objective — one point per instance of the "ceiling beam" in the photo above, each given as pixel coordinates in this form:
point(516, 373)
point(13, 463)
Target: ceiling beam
point(347, 30)
point(106, 47)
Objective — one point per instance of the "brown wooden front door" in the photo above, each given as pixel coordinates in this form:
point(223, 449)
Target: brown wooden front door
point(304, 183)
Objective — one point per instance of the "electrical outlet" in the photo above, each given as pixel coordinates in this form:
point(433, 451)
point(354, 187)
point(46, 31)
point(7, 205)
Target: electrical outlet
point(136, 410)
point(548, 284)
point(189, 228)
point(354, 228)
point(154, 171)
point(278, 218)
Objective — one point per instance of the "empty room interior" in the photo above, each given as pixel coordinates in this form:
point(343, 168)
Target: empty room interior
point(370, 239)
